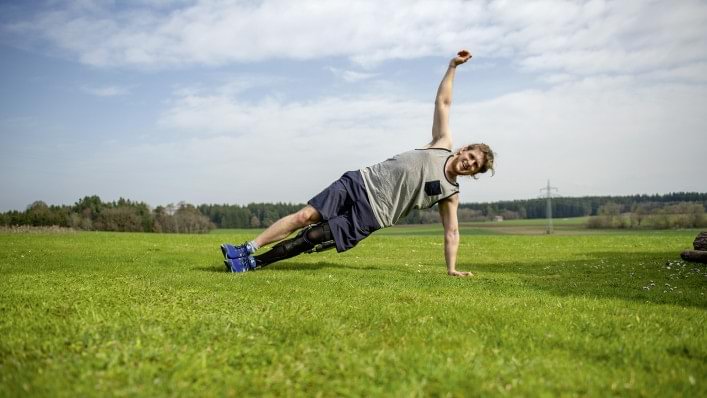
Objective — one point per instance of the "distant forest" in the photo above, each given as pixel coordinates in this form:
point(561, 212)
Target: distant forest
point(582, 206)
point(91, 213)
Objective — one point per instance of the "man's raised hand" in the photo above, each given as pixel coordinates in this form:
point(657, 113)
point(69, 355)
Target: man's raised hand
point(462, 56)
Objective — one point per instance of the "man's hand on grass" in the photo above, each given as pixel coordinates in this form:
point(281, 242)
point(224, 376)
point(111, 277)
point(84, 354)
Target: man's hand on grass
point(459, 273)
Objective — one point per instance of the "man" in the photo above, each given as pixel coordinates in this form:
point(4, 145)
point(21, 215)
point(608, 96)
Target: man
point(365, 200)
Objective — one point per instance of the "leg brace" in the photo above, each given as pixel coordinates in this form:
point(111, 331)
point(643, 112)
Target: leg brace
point(310, 239)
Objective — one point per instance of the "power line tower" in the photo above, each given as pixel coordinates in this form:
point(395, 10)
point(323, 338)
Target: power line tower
point(549, 189)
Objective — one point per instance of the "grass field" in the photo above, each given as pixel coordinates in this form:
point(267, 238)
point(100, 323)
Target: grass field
point(96, 314)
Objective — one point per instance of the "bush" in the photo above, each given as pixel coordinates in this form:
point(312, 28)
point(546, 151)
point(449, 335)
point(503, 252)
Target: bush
point(189, 220)
point(184, 219)
point(651, 216)
point(121, 219)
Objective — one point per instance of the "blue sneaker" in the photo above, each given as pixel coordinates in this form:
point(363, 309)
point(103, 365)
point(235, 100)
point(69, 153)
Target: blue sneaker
point(230, 251)
point(241, 264)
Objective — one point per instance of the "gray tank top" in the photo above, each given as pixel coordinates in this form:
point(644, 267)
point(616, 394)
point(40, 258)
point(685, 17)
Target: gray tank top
point(410, 180)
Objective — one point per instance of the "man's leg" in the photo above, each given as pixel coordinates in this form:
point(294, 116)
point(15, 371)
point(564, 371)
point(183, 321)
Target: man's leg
point(241, 258)
point(283, 227)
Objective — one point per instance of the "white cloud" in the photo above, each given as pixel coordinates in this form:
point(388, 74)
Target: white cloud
point(350, 122)
point(572, 37)
point(690, 73)
point(596, 136)
point(106, 91)
point(599, 135)
point(287, 151)
point(231, 85)
point(217, 149)
point(351, 76)
point(558, 78)
point(604, 135)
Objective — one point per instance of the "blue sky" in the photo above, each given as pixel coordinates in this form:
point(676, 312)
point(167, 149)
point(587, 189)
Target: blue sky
point(265, 101)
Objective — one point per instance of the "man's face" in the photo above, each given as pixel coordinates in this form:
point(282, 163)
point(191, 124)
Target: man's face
point(469, 163)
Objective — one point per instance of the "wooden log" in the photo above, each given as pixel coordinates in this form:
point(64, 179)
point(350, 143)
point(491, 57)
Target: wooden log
point(700, 242)
point(695, 256)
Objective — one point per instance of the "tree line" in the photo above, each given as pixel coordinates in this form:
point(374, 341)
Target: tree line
point(91, 213)
point(650, 215)
point(566, 207)
point(254, 215)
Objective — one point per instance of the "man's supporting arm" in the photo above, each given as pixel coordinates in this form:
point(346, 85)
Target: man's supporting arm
point(448, 213)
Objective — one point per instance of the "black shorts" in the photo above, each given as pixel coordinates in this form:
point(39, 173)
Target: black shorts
point(344, 204)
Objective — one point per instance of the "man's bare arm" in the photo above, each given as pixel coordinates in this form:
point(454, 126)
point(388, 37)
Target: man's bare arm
point(441, 136)
point(448, 213)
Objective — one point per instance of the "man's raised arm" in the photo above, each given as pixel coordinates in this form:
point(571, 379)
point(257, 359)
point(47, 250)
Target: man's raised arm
point(441, 136)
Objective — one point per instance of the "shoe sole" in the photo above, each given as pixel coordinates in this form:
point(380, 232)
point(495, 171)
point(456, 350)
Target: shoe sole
point(224, 251)
point(229, 267)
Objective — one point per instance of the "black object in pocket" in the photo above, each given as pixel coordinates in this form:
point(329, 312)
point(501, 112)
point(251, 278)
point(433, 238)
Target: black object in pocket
point(433, 188)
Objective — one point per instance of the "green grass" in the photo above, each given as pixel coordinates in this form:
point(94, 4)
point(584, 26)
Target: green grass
point(96, 314)
point(574, 221)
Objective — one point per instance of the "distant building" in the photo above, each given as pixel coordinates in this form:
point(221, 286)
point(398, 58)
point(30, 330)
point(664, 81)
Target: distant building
point(498, 218)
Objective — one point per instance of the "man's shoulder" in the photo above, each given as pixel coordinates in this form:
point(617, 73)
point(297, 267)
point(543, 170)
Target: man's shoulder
point(442, 143)
point(453, 200)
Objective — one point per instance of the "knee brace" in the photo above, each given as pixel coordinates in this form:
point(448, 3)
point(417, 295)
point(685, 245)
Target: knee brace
point(319, 236)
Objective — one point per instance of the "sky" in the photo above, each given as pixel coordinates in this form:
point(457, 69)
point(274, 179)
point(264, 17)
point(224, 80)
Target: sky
point(270, 101)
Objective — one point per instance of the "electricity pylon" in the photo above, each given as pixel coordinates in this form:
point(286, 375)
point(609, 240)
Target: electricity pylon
point(549, 189)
